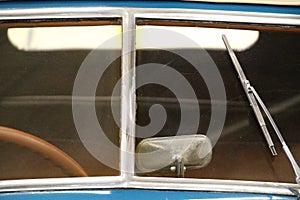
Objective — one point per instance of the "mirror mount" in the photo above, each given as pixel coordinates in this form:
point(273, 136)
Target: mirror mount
point(178, 167)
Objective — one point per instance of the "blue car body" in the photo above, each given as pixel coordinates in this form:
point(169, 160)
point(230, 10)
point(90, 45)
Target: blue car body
point(129, 193)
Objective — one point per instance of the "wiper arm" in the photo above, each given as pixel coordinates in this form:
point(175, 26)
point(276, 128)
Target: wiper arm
point(286, 149)
point(252, 97)
point(247, 88)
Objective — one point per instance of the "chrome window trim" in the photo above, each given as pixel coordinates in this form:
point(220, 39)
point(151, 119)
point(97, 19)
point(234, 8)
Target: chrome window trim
point(128, 101)
point(220, 16)
point(213, 185)
point(180, 14)
point(127, 179)
point(45, 184)
point(57, 13)
point(119, 182)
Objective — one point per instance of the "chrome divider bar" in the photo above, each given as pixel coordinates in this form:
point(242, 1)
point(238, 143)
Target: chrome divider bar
point(128, 101)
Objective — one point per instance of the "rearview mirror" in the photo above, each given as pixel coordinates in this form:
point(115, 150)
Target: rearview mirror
point(177, 152)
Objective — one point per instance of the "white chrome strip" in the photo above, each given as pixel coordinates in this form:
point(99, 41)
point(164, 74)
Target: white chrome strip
point(128, 98)
point(219, 16)
point(150, 13)
point(56, 13)
point(270, 2)
point(61, 183)
point(115, 182)
point(212, 185)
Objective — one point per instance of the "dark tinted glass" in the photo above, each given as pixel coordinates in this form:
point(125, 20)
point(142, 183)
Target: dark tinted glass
point(272, 65)
point(36, 97)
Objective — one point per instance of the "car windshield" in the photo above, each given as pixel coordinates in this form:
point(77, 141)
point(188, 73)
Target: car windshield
point(45, 92)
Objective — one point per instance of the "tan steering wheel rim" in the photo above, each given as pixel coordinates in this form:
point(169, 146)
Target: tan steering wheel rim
point(43, 147)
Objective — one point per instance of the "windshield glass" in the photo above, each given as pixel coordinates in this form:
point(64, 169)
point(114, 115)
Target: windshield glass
point(271, 62)
point(38, 69)
point(58, 80)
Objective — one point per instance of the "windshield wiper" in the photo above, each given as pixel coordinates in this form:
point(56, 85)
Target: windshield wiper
point(253, 97)
point(250, 95)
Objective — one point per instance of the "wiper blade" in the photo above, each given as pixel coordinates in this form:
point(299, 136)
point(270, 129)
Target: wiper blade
point(247, 88)
point(252, 97)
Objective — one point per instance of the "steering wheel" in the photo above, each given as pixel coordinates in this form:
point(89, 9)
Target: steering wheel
point(43, 147)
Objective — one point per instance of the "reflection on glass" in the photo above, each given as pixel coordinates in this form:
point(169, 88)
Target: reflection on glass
point(64, 38)
point(208, 38)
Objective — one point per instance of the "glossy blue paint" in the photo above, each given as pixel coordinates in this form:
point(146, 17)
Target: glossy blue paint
point(155, 4)
point(145, 194)
point(136, 194)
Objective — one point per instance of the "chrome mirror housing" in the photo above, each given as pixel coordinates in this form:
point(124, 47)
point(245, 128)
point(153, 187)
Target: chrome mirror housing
point(177, 152)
